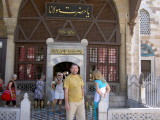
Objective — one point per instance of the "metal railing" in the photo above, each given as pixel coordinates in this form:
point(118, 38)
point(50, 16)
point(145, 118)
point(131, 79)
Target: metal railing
point(145, 91)
point(152, 90)
point(26, 86)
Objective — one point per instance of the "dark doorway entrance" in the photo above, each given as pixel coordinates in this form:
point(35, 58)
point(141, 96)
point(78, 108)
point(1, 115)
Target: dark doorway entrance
point(63, 67)
point(3, 48)
point(146, 67)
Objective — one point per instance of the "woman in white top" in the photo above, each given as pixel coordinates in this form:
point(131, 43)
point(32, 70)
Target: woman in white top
point(59, 91)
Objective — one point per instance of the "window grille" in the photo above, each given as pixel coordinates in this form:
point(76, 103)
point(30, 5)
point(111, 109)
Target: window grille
point(30, 61)
point(144, 22)
point(105, 59)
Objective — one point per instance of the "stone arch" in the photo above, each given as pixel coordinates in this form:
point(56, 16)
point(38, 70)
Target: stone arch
point(67, 59)
point(145, 11)
point(146, 8)
point(121, 11)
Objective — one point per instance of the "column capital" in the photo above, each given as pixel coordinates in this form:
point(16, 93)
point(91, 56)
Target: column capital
point(10, 24)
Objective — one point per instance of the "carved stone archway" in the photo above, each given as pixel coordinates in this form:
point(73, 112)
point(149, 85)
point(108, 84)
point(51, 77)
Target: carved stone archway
point(54, 59)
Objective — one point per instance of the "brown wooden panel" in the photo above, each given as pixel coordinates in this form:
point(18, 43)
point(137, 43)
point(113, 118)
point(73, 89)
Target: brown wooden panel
point(28, 10)
point(28, 26)
point(102, 30)
point(146, 67)
point(97, 29)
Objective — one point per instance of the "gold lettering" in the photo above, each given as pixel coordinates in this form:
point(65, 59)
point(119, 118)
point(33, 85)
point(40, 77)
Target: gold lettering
point(66, 51)
point(50, 7)
point(64, 11)
point(87, 12)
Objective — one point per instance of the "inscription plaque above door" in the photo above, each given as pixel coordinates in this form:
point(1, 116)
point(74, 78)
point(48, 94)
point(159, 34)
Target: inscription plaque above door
point(66, 32)
point(68, 10)
point(66, 52)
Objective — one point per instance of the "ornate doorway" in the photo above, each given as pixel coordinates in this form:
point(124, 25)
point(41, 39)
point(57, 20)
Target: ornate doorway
point(59, 53)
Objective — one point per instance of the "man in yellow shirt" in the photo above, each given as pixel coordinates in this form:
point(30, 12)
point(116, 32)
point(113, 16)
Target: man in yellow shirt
point(74, 95)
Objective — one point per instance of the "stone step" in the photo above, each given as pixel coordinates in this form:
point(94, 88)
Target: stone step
point(115, 101)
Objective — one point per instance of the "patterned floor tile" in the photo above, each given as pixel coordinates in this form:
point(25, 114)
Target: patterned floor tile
point(47, 114)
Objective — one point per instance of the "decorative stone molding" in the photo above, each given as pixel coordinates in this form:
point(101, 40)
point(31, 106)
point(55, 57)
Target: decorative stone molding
point(133, 13)
point(67, 59)
point(61, 56)
point(49, 40)
point(10, 23)
point(84, 42)
point(131, 25)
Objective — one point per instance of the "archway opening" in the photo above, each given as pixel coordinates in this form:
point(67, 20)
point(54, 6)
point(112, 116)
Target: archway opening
point(63, 67)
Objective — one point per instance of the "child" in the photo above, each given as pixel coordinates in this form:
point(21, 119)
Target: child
point(39, 93)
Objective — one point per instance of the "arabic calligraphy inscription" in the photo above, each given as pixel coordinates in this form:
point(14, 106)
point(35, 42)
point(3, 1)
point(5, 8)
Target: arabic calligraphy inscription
point(66, 32)
point(66, 51)
point(68, 10)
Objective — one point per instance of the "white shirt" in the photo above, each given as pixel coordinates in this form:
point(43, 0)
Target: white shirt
point(59, 87)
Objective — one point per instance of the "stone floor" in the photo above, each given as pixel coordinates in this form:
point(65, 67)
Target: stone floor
point(47, 114)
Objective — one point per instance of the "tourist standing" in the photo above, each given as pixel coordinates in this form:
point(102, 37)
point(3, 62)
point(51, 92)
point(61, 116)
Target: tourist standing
point(11, 86)
point(39, 92)
point(59, 91)
point(102, 89)
point(74, 95)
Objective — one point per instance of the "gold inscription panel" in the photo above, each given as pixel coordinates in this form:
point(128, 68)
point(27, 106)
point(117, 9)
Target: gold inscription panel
point(66, 52)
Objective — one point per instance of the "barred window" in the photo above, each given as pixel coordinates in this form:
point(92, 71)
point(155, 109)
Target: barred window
point(30, 61)
point(105, 59)
point(144, 22)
